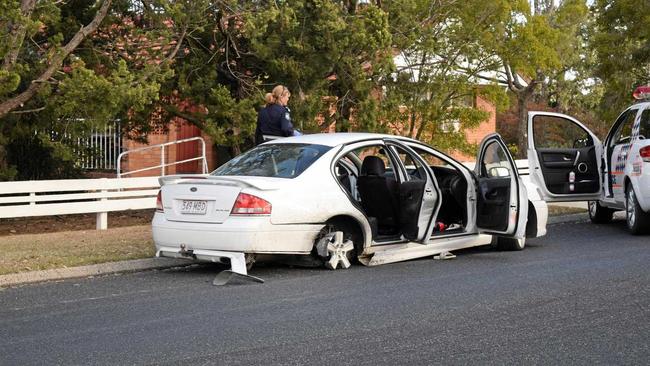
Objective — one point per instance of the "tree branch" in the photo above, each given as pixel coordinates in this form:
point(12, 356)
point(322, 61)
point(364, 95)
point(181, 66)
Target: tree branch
point(17, 35)
point(28, 110)
point(56, 61)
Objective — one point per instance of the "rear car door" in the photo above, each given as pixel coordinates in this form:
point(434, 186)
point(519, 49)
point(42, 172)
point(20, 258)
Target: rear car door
point(563, 157)
point(419, 194)
point(501, 204)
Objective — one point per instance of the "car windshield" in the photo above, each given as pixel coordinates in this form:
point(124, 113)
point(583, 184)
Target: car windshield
point(277, 160)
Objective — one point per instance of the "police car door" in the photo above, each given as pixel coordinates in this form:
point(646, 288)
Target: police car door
point(419, 195)
point(563, 157)
point(502, 203)
point(616, 152)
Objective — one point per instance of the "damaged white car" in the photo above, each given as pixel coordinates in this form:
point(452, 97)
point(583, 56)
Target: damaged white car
point(338, 198)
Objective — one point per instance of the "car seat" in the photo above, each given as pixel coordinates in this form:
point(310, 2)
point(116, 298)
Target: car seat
point(378, 194)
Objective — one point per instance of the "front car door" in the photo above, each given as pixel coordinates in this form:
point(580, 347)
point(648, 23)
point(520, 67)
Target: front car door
point(419, 195)
point(563, 157)
point(502, 204)
point(616, 152)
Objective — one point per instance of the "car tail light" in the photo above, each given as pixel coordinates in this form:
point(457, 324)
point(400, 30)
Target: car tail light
point(159, 205)
point(247, 204)
point(645, 153)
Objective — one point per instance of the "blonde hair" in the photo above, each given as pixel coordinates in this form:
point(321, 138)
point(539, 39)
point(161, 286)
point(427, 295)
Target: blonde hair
point(274, 96)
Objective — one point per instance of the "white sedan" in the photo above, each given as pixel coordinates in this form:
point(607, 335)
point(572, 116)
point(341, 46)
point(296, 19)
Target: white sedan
point(335, 198)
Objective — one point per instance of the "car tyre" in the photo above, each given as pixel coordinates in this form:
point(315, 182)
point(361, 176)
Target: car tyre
point(510, 244)
point(638, 221)
point(599, 214)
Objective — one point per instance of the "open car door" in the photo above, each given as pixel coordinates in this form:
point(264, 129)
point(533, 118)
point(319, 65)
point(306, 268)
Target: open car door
point(502, 203)
point(419, 194)
point(563, 157)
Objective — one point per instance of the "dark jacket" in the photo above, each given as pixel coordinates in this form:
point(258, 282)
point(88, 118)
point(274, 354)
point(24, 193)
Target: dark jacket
point(273, 120)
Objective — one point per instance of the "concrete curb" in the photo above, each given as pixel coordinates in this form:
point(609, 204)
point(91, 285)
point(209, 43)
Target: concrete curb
point(91, 270)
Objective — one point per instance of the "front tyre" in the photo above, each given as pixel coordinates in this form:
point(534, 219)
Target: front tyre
point(599, 214)
point(511, 244)
point(638, 221)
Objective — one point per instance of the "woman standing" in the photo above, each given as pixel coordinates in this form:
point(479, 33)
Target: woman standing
point(274, 120)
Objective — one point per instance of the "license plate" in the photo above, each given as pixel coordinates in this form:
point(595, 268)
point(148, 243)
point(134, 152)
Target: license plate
point(194, 207)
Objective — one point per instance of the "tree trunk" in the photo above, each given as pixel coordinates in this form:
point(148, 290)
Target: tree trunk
point(522, 124)
point(3, 159)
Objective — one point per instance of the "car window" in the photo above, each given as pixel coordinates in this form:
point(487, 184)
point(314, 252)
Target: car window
point(378, 151)
point(624, 131)
point(495, 163)
point(431, 159)
point(277, 160)
point(551, 132)
point(618, 125)
point(644, 127)
point(413, 167)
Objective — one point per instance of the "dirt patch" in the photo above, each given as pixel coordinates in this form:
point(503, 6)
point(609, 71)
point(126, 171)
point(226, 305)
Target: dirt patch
point(52, 224)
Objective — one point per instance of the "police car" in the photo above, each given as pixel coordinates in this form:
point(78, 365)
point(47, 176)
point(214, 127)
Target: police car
point(569, 163)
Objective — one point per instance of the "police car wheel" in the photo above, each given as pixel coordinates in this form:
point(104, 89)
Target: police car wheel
point(599, 214)
point(638, 221)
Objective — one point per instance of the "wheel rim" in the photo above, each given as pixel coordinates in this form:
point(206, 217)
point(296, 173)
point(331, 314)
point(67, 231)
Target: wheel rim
point(631, 208)
point(338, 250)
point(592, 208)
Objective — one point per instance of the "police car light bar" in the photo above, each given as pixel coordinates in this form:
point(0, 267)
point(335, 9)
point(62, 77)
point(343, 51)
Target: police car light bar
point(642, 93)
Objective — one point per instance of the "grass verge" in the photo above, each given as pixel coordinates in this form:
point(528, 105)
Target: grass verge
point(33, 252)
point(560, 210)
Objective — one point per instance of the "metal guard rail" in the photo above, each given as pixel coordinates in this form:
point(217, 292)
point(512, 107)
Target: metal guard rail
point(163, 164)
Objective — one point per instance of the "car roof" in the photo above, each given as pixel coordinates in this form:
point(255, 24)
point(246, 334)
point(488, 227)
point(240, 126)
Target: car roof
point(643, 105)
point(335, 139)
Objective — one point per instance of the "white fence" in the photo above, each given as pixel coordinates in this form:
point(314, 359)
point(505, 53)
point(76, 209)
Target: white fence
point(76, 196)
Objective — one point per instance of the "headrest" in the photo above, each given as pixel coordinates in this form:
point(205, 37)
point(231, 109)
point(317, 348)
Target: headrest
point(373, 165)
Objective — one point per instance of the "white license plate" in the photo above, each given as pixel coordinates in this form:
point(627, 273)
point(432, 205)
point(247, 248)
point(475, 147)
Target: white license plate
point(194, 207)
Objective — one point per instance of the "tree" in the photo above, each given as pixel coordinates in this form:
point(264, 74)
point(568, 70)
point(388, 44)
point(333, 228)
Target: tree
point(329, 53)
point(69, 66)
point(19, 23)
point(622, 44)
point(441, 62)
point(535, 48)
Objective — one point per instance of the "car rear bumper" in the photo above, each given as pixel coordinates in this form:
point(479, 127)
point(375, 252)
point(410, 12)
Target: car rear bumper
point(237, 234)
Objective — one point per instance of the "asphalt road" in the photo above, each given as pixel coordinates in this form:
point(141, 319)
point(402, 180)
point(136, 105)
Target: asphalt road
point(580, 295)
